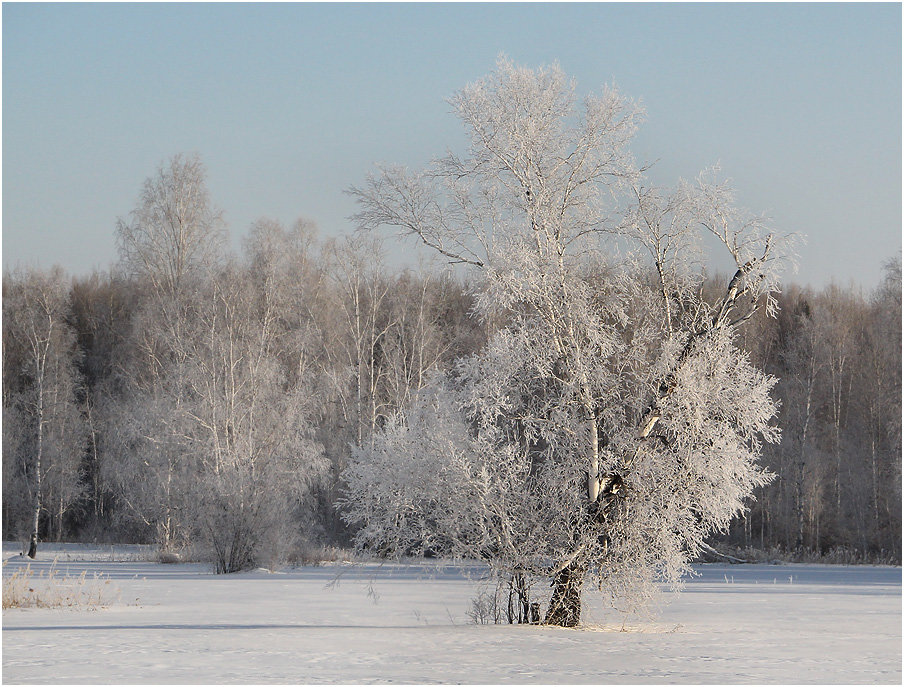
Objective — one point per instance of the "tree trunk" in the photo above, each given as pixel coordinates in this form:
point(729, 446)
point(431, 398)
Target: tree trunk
point(565, 604)
point(33, 544)
point(799, 497)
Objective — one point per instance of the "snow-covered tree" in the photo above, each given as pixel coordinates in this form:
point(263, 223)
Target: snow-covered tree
point(43, 429)
point(611, 423)
point(170, 245)
point(174, 232)
point(249, 423)
point(212, 423)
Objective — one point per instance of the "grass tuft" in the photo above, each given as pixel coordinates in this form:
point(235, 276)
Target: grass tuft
point(25, 589)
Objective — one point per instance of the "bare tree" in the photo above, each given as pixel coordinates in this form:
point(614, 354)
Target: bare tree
point(102, 308)
point(414, 346)
point(362, 286)
point(249, 427)
point(838, 488)
point(803, 370)
point(171, 245)
point(174, 231)
point(877, 408)
point(48, 426)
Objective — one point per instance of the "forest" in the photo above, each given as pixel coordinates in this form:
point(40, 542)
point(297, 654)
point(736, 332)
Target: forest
point(299, 348)
point(543, 398)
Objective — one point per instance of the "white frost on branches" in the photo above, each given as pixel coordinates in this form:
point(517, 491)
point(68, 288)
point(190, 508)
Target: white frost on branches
point(611, 424)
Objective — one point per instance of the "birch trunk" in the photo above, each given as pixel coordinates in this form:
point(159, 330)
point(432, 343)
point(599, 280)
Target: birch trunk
point(38, 502)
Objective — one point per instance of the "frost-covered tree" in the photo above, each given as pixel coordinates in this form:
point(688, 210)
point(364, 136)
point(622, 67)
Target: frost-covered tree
point(170, 245)
point(249, 423)
point(211, 424)
point(43, 429)
point(175, 231)
point(611, 423)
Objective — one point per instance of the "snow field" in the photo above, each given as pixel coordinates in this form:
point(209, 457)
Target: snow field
point(371, 623)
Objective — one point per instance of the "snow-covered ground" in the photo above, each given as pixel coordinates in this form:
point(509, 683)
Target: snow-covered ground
point(409, 624)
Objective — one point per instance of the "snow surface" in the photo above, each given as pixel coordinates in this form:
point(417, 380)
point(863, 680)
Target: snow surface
point(391, 623)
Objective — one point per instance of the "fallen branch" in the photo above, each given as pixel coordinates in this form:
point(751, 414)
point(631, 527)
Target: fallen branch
point(724, 555)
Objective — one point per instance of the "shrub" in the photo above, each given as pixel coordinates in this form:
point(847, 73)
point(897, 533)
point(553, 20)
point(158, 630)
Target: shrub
point(306, 554)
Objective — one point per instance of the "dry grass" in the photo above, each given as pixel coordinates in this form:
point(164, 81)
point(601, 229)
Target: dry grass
point(837, 555)
point(24, 589)
point(314, 555)
point(169, 557)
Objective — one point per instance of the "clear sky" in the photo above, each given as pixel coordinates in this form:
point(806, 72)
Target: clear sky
point(289, 104)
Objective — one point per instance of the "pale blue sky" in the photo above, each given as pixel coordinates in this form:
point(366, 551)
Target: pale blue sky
point(289, 104)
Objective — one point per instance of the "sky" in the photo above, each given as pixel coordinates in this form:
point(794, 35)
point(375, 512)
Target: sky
point(288, 105)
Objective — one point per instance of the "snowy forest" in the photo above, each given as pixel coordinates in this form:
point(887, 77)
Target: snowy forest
point(246, 407)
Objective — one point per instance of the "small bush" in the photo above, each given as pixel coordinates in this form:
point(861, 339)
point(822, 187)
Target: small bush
point(169, 557)
point(24, 589)
point(315, 554)
point(256, 530)
point(485, 609)
point(508, 603)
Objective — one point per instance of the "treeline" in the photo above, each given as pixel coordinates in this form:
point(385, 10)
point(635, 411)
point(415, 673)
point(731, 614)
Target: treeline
point(837, 355)
point(208, 402)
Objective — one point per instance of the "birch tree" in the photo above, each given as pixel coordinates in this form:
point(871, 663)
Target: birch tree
point(611, 424)
point(803, 370)
point(43, 427)
point(175, 231)
point(170, 244)
point(102, 310)
point(362, 288)
point(248, 426)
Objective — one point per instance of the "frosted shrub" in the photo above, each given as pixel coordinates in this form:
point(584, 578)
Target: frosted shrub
point(245, 518)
